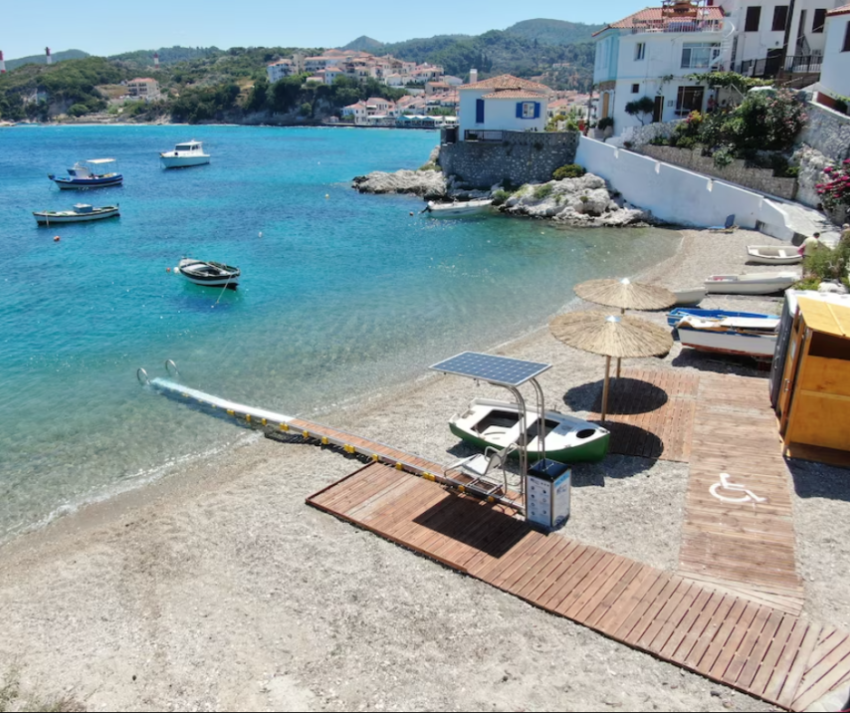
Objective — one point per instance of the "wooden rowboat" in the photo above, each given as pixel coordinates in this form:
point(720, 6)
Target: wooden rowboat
point(773, 255)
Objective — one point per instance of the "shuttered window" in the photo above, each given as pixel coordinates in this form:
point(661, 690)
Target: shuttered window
point(479, 111)
point(818, 21)
point(780, 18)
point(528, 110)
point(753, 19)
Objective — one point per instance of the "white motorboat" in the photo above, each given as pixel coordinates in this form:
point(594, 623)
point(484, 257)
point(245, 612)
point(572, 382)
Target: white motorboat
point(81, 213)
point(209, 274)
point(773, 255)
point(688, 297)
point(457, 209)
point(747, 336)
point(754, 283)
point(190, 153)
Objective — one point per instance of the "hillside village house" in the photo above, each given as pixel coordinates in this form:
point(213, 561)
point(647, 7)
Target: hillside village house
point(503, 103)
point(279, 70)
point(835, 77)
point(143, 88)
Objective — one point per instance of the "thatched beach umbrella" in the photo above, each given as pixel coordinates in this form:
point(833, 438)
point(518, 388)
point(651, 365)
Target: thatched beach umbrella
point(625, 294)
point(612, 336)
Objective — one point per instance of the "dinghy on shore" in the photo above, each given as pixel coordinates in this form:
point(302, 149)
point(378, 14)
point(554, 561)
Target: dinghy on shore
point(756, 283)
point(773, 255)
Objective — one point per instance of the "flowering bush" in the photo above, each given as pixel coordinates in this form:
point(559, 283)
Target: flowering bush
point(835, 190)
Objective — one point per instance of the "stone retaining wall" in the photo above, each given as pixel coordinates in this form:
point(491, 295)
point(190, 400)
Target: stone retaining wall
point(521, 157)
point(759, 179)
point(827, 131)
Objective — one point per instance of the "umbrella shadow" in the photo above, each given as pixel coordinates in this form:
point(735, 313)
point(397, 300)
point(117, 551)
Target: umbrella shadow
point(630, 440)
point(625, 396)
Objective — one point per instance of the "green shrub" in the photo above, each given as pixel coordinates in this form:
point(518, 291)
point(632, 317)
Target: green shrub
point(606, 122)
point(543, 191)
point(430, 166)
point(724, 156)
point(570, 170)
point(686, 142)
point(584, 199)
point(659, 141)
point(500, 196)
point(572, 126)
point(78, 110)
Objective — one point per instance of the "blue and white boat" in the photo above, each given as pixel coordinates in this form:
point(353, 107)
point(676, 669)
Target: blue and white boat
point(747, 336)
point(677, 315)
point(93, 173)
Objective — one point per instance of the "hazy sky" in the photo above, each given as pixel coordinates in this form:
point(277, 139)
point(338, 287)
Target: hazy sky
point(104, 28)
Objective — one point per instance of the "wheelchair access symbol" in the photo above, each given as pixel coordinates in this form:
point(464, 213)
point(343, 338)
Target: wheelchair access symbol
point(744, 494)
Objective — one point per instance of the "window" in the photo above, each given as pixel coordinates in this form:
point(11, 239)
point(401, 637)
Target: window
point(635, 88)
point(819, 20)
point(846, 47)
point(753, 19)
point(479, 111)
point(780, 18)
point(699, 55)
point(527, 110)
point(689, 99)
point(640, 51)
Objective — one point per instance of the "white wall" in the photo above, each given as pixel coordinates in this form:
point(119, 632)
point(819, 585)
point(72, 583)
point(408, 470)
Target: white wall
point(499, 114)
point(674, 194)
point(835, 75)
point(754, 45)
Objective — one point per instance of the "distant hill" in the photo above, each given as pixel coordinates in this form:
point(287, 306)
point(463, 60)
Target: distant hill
point(167, 55)
point(42, 59)
point(363, 44)
point(554, 32)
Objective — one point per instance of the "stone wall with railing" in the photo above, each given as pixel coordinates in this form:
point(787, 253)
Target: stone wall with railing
point(519, 157)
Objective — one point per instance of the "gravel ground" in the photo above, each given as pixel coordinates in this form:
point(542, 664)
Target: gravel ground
point(219, 589)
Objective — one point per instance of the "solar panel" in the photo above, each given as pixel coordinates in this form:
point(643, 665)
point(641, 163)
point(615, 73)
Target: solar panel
point(498, 370)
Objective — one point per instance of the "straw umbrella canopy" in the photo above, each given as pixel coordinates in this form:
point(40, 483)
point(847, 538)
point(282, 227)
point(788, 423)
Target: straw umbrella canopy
point(612, 336)
point(625, 294)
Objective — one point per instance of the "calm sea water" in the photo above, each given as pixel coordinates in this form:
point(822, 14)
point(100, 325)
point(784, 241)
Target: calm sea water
point(343, 295)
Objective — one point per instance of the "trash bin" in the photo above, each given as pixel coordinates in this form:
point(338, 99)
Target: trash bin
point(548, 494)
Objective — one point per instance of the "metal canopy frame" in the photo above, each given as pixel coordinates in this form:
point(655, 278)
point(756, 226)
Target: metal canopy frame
point(510, 374)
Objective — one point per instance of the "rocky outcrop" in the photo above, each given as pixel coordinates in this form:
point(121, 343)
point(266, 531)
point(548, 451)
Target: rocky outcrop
point(431, 185)
point(583, 202)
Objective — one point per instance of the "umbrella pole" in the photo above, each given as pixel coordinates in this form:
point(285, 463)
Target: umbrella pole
point(605, 388)
point(618, 367)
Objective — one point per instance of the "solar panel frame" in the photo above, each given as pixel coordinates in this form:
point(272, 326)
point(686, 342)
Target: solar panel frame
point(497, 370)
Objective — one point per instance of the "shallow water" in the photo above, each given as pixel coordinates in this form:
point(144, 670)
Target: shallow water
point(342, 296)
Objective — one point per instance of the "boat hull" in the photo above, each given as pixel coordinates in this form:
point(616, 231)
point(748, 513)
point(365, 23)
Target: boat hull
point(455, 210)
point(773, 255)
point(220, 276)
point(82, 184)
point(562, 443)
point(690, 297)
point(183, 161)
point(677, 315)
point(754, 345)
point(766, 286)
point(44, 218)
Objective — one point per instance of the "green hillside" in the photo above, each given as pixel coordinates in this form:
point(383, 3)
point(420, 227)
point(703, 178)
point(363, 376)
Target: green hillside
point(554, 32)
point(363, 44)
point(42, 59)
point(167, 55)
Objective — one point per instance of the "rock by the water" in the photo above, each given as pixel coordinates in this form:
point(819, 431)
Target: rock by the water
point(584, 201)
point(431, 185)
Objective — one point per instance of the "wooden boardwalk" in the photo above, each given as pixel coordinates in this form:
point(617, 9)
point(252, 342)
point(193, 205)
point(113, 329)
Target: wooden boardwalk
point(651, 413)
point(731, 538)
point(763, 651)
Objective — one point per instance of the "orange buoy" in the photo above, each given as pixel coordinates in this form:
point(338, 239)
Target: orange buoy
point(168, 269)
point(56, 238)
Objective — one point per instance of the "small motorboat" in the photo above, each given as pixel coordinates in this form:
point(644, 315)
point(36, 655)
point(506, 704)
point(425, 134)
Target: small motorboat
point(677, 315)
point(747, 336)
point(492, 423)
point(81, 213)
point(190, 153)
point(691, 296)
point(755, 283)
point(93, 173)
point(209, 274)
point(457, 209)
point(773, 255)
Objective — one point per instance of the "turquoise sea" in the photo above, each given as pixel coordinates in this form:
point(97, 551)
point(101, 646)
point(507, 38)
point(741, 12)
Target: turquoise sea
point(342, 294)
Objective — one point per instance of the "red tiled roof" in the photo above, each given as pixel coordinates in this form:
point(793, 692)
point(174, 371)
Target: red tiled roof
point(512, 94)
point(843, 10)
point(653, 16)
point(507, 81)
point(142, 79)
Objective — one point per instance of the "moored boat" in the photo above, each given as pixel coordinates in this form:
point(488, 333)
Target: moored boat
point(209, 274)
point(89, 174)
point(730, 335)
point(773, 255)
point(493, 423)
point(755, 283)
point(677, 315)
point(190, 153)
point(454, 210)
point(82, 212)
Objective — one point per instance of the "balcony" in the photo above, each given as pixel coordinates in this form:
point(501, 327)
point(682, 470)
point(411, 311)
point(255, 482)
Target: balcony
point(677, 26)
point(773, 67)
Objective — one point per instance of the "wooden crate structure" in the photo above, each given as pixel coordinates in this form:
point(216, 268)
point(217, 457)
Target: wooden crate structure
point(815, 393)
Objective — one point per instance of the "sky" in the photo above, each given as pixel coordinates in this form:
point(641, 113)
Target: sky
point(105, 28)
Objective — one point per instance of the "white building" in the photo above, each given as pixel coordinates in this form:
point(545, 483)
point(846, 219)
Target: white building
point(143, 88)
point(279, 70)
point(503, 103)
point(356, 113)
point(835, 77)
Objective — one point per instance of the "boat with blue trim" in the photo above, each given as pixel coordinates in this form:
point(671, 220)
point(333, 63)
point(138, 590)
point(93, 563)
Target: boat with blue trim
point(677, 315)
point(81, 213)
point(93, 173)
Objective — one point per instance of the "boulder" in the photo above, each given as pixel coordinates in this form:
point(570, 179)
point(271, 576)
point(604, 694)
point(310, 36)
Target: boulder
point(431, 185)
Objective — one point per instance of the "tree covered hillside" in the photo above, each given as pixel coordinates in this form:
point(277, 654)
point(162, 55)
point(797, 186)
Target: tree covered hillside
point(42, 59)
point(554, 32)
point(167, 55)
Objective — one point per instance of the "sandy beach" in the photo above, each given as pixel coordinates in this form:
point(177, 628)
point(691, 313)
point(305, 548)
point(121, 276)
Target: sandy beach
point(218, 588)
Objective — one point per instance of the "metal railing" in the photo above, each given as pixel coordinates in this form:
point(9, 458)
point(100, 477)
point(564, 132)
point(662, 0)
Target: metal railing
point(480, 135)
point(771, 67)
point(807, 64)
point(678, 26)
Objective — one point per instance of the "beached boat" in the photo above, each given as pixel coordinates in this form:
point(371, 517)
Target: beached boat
point(190, 153)
point(756, 283)
point(93, 173)
point(746, 336)
point(82, 212)
point(691, 296)
point(489, 422)
point(457, 209)
point(677, 315)
point(209, 274)
point(773, 255)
